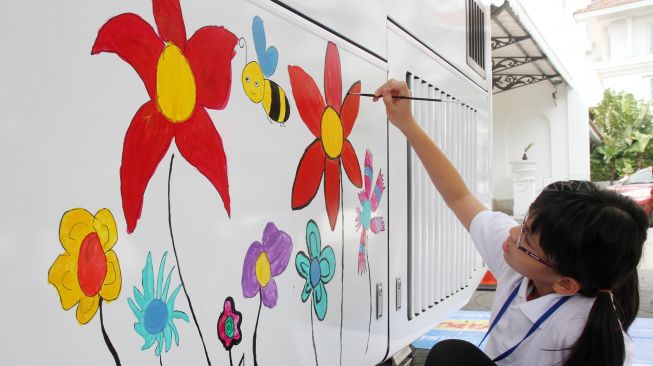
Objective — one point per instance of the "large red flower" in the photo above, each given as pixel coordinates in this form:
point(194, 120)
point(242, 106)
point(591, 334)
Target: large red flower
point(331, 124)
point(182, 78)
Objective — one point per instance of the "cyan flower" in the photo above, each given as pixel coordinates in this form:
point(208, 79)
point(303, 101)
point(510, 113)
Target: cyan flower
point(318, 268)
point(155, 310)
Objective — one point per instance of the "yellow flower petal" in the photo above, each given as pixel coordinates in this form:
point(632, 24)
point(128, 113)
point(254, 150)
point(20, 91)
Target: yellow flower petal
point(113, 281)
point(105, 227)
point(75, 225)
point(87, 308)
point(63, 275)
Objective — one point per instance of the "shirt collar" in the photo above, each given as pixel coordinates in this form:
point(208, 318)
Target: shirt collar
point(534, 309)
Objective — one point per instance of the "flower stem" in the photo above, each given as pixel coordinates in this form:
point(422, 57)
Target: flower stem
point(161, 359)
point(369, 277)
point(231, 361)
point(260, 304)
point(342, 267)
point(181, 279)
point(313, 334)
point(106, 338)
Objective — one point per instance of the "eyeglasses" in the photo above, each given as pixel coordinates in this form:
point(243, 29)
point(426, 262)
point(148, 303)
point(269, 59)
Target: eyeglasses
point(528, 252)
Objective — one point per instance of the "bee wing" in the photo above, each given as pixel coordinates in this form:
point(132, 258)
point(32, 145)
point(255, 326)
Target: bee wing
point(267, 56)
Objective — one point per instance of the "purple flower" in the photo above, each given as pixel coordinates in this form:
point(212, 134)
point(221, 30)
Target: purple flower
point(265, 261)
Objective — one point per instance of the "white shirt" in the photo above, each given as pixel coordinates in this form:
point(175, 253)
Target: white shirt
point(546, 346)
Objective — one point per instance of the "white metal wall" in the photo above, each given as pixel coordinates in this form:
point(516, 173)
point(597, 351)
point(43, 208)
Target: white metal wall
point(432, 264)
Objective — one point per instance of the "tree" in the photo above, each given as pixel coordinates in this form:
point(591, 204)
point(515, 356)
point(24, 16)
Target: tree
point(627, 130)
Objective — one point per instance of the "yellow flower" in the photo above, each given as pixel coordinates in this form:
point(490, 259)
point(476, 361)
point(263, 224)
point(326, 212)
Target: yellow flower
point(88, 270)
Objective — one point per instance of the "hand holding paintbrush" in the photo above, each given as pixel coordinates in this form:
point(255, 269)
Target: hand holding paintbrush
point(396, 97)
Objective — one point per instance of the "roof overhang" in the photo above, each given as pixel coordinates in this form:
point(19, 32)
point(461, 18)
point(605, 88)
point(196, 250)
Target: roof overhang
point(520, 56)
point(593, 10)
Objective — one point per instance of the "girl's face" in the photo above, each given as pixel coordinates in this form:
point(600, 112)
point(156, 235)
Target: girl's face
point(521, 261)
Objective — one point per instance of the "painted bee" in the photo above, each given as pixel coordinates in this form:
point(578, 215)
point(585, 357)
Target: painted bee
point(254, 78)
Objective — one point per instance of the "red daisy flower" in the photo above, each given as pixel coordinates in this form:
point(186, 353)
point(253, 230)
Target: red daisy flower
point(182, 78)
point(331, 124)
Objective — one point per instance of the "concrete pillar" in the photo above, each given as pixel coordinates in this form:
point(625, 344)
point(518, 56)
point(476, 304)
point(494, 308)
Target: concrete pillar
point(524, 187)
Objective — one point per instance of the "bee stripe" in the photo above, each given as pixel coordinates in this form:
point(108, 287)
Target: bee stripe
point(274, 105)
point(287, 114)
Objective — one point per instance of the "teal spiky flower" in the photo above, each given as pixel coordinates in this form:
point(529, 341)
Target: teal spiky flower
point(154, 310)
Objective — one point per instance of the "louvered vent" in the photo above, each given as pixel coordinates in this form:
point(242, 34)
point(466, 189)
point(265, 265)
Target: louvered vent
point(475, 37)
point(441, 257)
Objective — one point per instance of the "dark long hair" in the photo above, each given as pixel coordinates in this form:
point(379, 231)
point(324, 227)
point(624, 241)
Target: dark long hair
point(596, 237)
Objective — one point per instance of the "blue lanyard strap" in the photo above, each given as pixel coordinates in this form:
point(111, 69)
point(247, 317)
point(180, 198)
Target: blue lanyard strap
point(539, 321)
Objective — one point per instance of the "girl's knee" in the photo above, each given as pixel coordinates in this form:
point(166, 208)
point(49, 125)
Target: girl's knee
point(456, 352)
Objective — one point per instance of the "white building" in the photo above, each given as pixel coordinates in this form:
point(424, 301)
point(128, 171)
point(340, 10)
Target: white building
point(541, 79)
point(621, 45)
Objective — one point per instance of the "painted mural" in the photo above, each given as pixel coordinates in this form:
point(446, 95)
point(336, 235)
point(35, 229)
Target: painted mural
point(370, 198)
point(229, 331)
point(317, 268)
point(155, 310)
point(330, 120)
point(255, 77)
point(184, 77)
point(87, 274)
point(264, 261)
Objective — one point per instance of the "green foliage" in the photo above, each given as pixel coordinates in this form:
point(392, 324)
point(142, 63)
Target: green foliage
point(626, 128)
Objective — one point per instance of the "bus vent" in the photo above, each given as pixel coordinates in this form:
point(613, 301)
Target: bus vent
point(441, 257)
point(475, 37)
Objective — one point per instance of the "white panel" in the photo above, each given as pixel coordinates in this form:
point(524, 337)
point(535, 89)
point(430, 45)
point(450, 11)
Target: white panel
point(448, 150)
point(456, 261)
point(410, 173)
point(417, 214)
point(362, 21)
point(441, 205)
point(451, 267)
point(440, 24)
point(424, 182)
point(431, 202)
point(66, 113)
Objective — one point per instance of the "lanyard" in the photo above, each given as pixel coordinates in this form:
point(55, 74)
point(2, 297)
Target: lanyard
point(539, 321)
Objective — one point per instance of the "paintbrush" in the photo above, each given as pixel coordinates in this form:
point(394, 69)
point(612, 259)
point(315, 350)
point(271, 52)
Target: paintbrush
point(409, 98)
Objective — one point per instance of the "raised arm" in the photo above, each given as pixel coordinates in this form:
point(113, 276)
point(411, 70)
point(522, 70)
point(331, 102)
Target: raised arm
point(443, 174)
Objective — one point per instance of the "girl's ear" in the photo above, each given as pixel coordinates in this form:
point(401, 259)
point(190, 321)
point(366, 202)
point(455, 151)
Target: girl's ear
point(566, 286)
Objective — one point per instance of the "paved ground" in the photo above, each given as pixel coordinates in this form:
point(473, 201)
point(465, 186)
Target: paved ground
point(646, 279)
point(482, 300)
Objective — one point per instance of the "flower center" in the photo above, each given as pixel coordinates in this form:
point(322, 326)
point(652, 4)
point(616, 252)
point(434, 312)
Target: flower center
point(366, 215)
point(91, 265)
point(175, 85)
point(263, 270)
point(332, 133)
point(229, 328)
point(156, 316)
point(315, 272)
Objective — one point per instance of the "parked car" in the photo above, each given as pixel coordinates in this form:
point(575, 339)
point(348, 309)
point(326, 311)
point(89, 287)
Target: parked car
point(639, 187)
